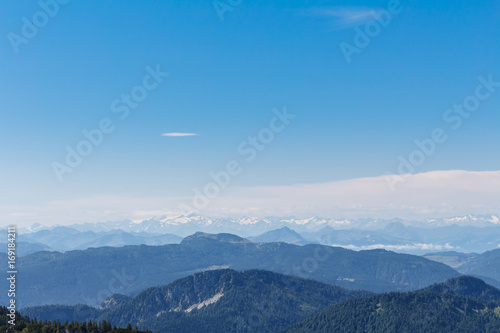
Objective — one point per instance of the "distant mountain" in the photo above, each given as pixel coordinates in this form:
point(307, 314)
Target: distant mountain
point(246, 226)
point(361, 239)
point(63, 237)
point(92, 275)
point(121, 238)
point(214, 301)
point(284, 234)
point(399, 237)
point(24, 248)
point(451, 258)
point(484, 268)
point(459, 305)
point(462, 234)
point(486, 264)
point(202, 238)
point(66, 238)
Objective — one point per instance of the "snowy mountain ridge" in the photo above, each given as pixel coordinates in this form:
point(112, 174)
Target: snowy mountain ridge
point(250, 226)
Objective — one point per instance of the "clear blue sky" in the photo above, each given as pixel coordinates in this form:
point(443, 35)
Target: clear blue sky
point(225, 76)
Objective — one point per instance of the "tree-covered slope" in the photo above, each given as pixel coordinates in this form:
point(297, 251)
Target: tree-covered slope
point(467, 286)
point(26, 325)
point(458, 305)
point(214, 301)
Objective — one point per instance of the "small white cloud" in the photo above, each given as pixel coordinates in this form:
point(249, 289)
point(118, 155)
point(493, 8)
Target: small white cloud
point(179, 134)
point(346, 17)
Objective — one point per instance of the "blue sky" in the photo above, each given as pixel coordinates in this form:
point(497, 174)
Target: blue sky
point(352, 121)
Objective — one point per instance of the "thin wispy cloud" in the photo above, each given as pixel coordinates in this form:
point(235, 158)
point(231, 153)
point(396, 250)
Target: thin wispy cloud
point(176, 134)
point(425, 195)
point(430, 194)
point(346, 17)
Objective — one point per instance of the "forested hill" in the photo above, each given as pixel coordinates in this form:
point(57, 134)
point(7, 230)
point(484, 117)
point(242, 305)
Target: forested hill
point(463, 305)
point(467, 286)
point(26, 325)
point(214, 301)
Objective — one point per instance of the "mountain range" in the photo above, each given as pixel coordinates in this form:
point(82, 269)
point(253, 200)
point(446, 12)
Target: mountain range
point(62, 238)
point(184, 225)
point(89, 276)
point(461, 234)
